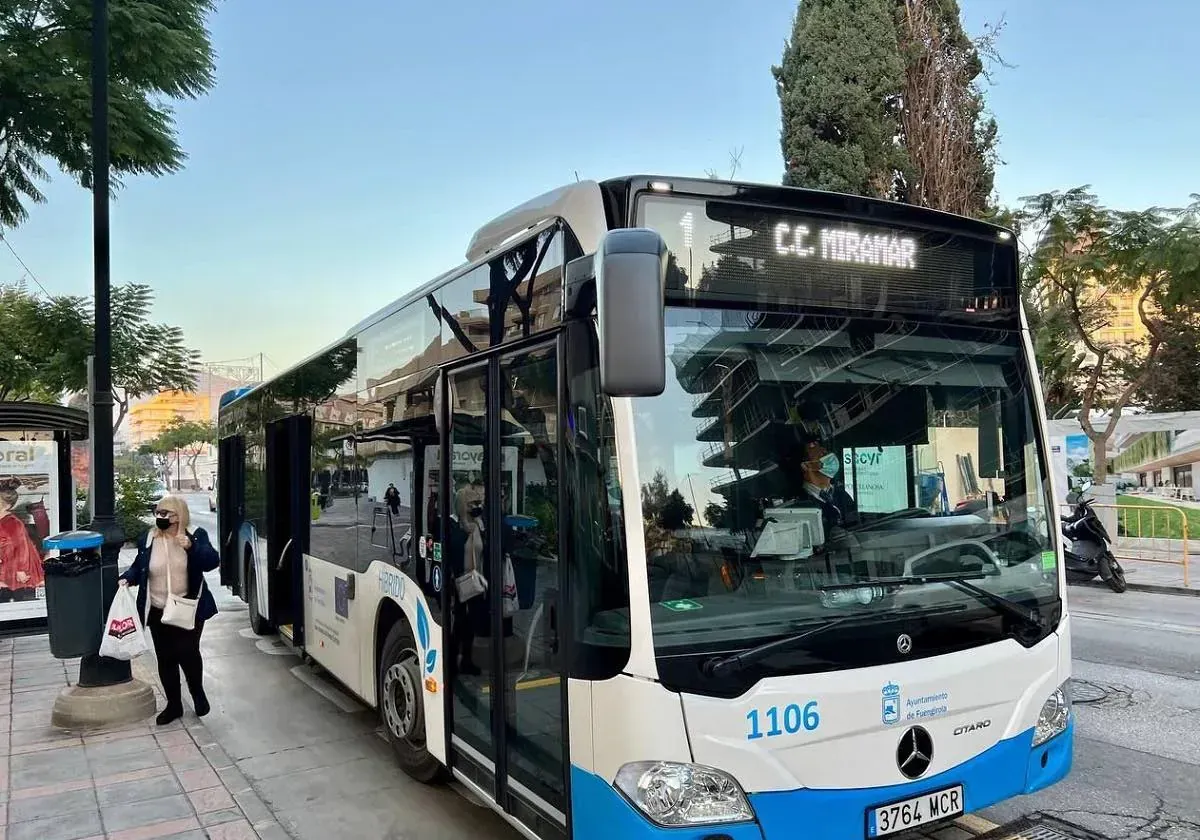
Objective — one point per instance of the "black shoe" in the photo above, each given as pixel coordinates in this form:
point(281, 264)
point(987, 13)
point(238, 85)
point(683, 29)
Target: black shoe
point(169, 715)
point(201, 704)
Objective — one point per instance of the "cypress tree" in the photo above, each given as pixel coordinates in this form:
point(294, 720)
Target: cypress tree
point(839, 90)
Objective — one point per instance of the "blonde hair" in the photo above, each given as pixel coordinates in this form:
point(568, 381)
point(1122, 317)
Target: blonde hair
point(177, 506)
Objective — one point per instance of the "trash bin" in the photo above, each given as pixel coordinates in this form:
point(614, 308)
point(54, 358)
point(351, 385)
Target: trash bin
point(74, 594)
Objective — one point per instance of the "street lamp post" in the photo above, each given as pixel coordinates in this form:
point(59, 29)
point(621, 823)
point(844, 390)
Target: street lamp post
point(106, 692)
point(96, 670)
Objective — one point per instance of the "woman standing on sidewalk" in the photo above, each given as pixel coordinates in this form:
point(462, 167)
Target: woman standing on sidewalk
point(169, 552)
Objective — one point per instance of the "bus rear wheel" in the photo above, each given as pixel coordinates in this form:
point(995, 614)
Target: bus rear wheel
point(401, 705)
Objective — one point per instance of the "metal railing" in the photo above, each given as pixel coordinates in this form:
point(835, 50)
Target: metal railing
point(1162, 532)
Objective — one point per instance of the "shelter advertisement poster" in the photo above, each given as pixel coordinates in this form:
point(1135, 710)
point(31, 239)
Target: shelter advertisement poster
point(28, 507)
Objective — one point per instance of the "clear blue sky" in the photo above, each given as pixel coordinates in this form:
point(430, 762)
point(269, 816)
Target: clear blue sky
point(346, 156)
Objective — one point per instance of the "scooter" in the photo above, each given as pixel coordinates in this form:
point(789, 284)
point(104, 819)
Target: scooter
point(1089, 554)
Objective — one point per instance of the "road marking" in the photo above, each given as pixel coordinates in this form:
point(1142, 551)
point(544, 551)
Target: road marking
point(525, 685)
point(1187, 629)
point(971, 822)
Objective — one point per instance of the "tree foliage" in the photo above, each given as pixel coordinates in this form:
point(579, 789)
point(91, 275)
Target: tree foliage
point(949, 138)
point(147, 357)
point(41, 342)
point(839, 84)
point(1174, 381)
point(882, 98)
point(45, 342)
point(1081, 254)
point(182, 438)
point(158, 50)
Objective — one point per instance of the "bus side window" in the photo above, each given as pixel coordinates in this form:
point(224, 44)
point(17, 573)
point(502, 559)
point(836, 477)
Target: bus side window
point(598, 580)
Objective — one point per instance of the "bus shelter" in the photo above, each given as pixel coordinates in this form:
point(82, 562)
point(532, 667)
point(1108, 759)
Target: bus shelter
point(37, 499)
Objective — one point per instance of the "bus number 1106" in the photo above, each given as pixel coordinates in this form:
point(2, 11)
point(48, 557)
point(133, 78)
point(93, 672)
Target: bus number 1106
point(791, 720)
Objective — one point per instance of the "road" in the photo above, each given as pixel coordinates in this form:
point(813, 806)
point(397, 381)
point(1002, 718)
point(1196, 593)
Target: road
point(1137, 750)
point(1137, 755)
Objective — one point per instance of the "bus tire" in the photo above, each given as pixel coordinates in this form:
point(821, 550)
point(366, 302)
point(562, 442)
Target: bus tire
point(401, 705)
point(258, 624)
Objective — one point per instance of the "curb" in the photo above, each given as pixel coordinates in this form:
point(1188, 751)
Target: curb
point(1159, 589)
point(1156, 588)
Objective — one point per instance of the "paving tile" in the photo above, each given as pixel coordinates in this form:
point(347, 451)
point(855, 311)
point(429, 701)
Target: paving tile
point(217, 757)
point(153, 759)
point(185, 757)
point(131, 776)
point(233, 779)
point(198, 779)
point(118, 749)
point(240, 830)
point(41, 742)
point(41, 807)
point(163, 784)
point(252, 806)
point(48, 768)
point(79, 783)
point(211, 799)
point(120, 817)
point(185, 827)
point(61, 827)
point(174, 738)
point(274, 831)
point(218, 817)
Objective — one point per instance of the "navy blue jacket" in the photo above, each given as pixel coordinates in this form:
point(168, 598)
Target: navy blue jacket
point(201, 558)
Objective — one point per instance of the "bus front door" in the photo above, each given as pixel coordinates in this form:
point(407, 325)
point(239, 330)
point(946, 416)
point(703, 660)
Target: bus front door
point(288, 457)
point(508, 693)
point(231, 508)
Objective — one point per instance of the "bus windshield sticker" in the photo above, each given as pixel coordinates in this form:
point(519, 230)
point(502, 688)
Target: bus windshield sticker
point(682, 605)
point(437, 552)
point(1049, 561)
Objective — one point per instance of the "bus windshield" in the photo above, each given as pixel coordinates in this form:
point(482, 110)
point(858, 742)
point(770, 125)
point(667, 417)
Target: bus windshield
point(807, 465)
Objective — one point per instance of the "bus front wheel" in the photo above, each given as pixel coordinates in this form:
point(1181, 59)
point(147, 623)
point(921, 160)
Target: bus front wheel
point(401, 705)
point(258, 624)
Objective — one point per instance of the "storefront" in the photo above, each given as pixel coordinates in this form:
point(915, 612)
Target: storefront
point(37, 499)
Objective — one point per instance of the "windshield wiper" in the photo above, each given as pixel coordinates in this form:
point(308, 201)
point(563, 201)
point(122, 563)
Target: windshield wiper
point(720, 666)
point(1030, 618)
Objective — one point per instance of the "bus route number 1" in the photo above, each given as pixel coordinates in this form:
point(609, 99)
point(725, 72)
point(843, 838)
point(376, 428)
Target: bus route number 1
point(791, 720)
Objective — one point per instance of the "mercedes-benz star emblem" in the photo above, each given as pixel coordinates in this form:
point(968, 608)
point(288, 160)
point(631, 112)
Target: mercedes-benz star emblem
point(904, 643)
point(914, 753)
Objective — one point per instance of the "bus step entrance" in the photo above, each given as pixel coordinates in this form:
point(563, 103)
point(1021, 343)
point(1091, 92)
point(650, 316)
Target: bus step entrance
point(1040, 827)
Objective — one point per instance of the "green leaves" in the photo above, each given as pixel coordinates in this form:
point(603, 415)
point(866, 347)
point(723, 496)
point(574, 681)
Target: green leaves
point(39, 339)
point(158, 49)
point(1081, 256)
point(837, 84)
point(45, 342)
point(879, 98)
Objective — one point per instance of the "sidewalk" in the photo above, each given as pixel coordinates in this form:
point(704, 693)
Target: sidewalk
point(285, 753)
point(131, 783)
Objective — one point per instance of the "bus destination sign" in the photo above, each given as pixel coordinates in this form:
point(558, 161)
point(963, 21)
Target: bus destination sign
point(845, 244)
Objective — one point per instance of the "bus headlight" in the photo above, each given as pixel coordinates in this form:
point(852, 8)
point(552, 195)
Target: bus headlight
point(675, 794)
point(1054, 717)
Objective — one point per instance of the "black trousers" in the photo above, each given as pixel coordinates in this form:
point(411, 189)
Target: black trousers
point(177, 649)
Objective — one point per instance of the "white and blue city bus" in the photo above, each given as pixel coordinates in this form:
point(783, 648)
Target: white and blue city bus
point(683, 508)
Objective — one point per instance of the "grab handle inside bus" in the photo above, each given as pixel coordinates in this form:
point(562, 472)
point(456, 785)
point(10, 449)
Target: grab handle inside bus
point(631, 271)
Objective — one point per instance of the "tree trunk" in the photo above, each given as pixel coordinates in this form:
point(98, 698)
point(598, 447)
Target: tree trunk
point(1100, 453)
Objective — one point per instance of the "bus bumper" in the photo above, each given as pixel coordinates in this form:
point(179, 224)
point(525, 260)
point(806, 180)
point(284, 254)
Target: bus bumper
point(1010, 768)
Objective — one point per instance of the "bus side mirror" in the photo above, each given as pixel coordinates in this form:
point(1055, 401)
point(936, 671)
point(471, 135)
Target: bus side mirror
point(631, 271)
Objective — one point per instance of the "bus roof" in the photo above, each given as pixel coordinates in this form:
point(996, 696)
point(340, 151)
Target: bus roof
point(582, 205)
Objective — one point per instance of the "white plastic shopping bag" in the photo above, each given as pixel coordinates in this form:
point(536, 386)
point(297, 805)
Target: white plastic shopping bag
point(508, 596)
point(124, 636)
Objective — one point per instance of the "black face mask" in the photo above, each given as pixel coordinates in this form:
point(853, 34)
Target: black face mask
point(162, 522)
